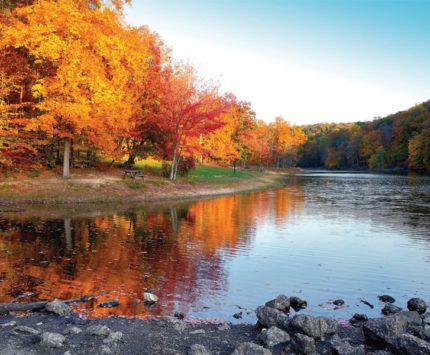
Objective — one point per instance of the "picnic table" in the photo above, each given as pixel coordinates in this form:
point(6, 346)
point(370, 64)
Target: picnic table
point(134, 173)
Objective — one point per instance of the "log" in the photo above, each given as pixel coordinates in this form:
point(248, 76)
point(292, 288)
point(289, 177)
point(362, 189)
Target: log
point(40, 305)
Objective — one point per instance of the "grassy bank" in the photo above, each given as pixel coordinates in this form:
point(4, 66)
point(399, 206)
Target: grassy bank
point(107, 185)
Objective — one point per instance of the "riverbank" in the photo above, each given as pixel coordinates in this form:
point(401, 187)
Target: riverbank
point(109, 186)
point(59, 332)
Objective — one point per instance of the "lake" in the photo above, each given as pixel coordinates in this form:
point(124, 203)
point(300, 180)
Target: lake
point(323, 236)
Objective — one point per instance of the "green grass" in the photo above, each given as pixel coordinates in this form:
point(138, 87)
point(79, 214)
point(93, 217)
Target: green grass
point(210, 174)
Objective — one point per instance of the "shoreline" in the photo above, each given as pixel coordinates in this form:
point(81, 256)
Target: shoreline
point(276, 332)
point(104, 189)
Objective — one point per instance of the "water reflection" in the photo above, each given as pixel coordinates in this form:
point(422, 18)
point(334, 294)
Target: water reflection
point(324, 236)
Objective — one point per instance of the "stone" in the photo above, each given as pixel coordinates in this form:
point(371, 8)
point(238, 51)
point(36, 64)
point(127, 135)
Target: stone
point(409, 344)
point(26, 330)
point(297, 303)
point(367, 304)
point(380, 332)
point(426, 318)
point(198, 349)
point(179, 315)
point(418, 305)
point(358, 319)
point(52, 340)
point(58, 307)
point(98, 330)
point(238, 315)
point(72, 330)
point(303, 344)
point(197, 332)
point(176, 324)
point(390, 309)
point(341, 347)
point(339, 302)
point(224, 326)
point(268, 316)
point(314, 327)
point(104, 349)
point(12, 323)
point(150, 297)
point(251, 349)
point(387, 299)
point(113, 337)
point(273, 336)
point(281, 303)
point(109, 304)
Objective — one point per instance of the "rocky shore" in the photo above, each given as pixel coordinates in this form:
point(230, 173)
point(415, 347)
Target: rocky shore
point(56, 330)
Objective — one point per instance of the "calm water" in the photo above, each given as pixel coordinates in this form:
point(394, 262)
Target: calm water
point(324, 236)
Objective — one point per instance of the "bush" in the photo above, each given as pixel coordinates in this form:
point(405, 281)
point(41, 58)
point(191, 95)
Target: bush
point(165, 169)
point(186, 165)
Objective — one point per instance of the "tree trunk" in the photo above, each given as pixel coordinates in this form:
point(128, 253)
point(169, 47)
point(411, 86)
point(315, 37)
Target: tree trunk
point(173, 167)
point(234, 167)
point(66, 158)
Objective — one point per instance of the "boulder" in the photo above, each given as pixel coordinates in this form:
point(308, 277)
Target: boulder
point(251, 349)
point(238, 315)
point(297, 303)
point(281, 303)
point(58, 307)
point(315, 327)
point(358, 319)
point(224, 326)
point(343, 347)
point(303, 344)
point(73, 330)
point(109, 304)
point(339, 302)
point(387, 299)
point(409, 344)
point(150, 297)
point(98, 330)
point(381, 332)
point(113, 338)
point(273, 336)
point(12, 323)
point(52, 340)
point(198, 349)
point(26, 330)
point(176, 324)
point(418, 305)
point(390, 309)
point(268, 316)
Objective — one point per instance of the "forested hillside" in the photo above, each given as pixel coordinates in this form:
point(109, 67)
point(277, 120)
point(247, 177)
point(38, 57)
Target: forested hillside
point(401, 140)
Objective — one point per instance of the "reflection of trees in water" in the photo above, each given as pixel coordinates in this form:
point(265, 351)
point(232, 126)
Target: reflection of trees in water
point(177, 252)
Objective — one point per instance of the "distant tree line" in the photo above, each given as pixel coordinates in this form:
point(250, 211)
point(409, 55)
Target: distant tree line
point(398, 141)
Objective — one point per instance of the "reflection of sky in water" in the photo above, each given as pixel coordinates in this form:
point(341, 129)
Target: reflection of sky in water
point(325, 236)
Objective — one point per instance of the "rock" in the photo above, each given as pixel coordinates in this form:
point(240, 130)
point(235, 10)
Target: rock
point(251, 349)
point(273, 336)
point(409, 344)
point(177, 324)
point(303, 344)
point(237, 315)
point(113, 337)
point(386, 299)
point(197, 332)
point(58, 307)
point(426, 318)
point(367, 303)
point(73, 330)
point(150, 297)
point(298, 303)
point(418, 305)
point(99, 330)
point(198, 349)
point(12, 323)
point(68, 352)
point(26, 330)
point(179, 315)
point(224, 326)
point(104, 349)
point(380, 332)
point(315, 327)
point(342, 347)
point(109, 304)
point(390, 309)
point(339, 302)
point(53, 340)
point(281, 303)
point(268, 317)
point(358, 319)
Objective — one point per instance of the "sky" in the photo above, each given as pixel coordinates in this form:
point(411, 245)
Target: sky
point(308, 61)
